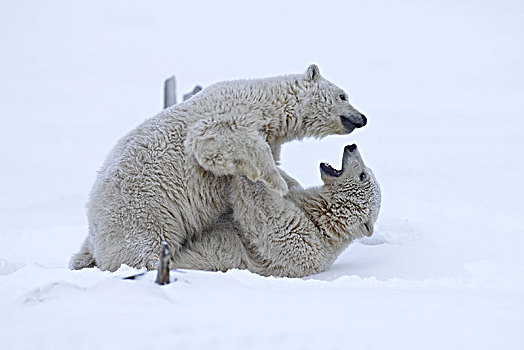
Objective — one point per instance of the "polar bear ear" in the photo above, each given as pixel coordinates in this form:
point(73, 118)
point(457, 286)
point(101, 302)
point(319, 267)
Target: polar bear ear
point(313, 73)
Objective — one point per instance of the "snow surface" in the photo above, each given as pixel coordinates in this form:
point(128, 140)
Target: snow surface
point(442, 84)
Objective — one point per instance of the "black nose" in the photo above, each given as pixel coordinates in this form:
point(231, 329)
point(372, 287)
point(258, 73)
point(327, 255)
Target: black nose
point(364, 121)
point(351, 148)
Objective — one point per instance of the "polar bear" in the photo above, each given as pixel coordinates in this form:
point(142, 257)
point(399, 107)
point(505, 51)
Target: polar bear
point(295, 236)
point(170, 178)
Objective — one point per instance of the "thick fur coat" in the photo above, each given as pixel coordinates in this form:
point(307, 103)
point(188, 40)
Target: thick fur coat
point(295, 236)
point(170, 178)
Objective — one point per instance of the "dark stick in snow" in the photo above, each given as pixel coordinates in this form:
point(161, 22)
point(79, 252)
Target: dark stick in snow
point(193, 92)
point(170, 92)
point(163, 269)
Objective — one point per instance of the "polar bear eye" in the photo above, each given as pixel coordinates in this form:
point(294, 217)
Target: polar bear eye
point(343, 97)
point(362, 176)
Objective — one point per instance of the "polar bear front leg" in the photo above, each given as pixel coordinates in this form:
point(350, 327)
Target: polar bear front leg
point(228, 146)
point(281, 238)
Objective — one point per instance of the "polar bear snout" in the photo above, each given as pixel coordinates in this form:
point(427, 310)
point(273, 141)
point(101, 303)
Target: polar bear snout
point(364, 120)
point(350, 151)
point(352, 155)
point(350, 148)
point(352, 122)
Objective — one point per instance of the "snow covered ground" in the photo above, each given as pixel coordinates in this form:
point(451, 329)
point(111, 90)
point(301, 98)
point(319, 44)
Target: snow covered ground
point(442, 86)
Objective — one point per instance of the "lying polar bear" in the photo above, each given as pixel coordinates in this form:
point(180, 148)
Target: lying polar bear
point(298, 235)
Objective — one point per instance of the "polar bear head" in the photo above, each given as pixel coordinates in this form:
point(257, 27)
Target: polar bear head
point(323, 107)
point(351, 197)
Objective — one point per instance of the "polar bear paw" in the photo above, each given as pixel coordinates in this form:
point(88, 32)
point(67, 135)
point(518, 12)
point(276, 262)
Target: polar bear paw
point(275, 183)
point(270, 177)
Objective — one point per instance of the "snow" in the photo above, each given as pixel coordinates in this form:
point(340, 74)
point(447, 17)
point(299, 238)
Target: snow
point(441, 85)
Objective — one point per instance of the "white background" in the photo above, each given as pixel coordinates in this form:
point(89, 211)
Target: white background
point(442, 85)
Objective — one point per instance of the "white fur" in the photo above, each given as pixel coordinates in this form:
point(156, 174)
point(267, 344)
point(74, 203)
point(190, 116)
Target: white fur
point(170, 178)
point(295, 236)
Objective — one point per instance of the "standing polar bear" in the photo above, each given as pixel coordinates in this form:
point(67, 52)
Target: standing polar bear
point(295, 236)
point(169, 179)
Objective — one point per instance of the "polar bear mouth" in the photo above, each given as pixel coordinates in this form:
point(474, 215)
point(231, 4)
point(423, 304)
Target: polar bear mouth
point(347, 124)
point(350, 123)
point(327, 169)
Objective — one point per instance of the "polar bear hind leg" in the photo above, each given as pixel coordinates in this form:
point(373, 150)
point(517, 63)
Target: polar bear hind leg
point(84, 258)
